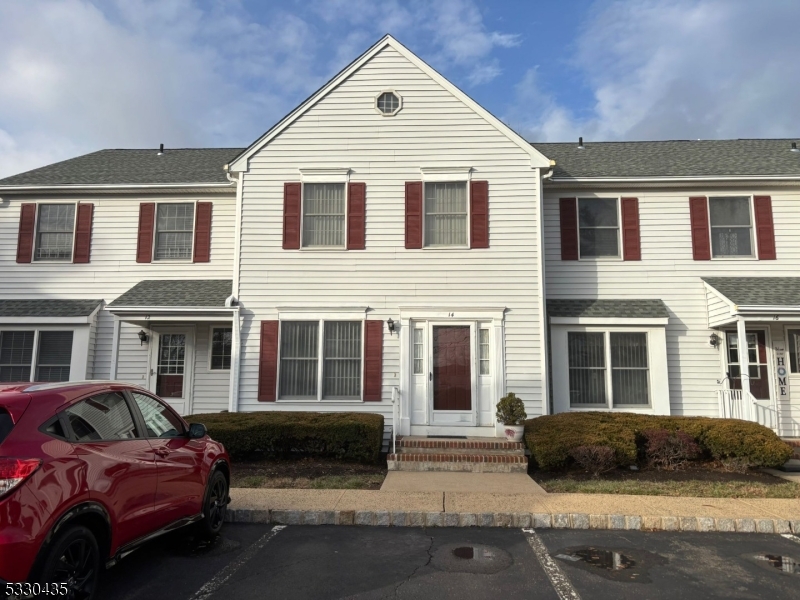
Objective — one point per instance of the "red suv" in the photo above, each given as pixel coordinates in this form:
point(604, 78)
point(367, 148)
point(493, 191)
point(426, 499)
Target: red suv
point(88, 472)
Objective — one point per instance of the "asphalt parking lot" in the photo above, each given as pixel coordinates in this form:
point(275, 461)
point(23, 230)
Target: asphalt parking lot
point(260, 561)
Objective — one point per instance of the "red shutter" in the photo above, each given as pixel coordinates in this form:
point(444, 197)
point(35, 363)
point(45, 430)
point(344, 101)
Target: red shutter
point(479, 214)
point(27, 224)
point(698, 215)
point(202, 232)
point(413, 214)
point(144, 241)
point(631, 243)
point(83, 233)
point(356, 216)
point(568, 210)
point(765, 229)
point(268, 362)
point(373, 360)
point(291, 215)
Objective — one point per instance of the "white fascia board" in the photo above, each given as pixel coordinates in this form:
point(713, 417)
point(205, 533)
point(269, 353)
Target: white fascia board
point(468, 313)
point(87, 320)
point(241, 162)
point(766, 309)
point(654, 321)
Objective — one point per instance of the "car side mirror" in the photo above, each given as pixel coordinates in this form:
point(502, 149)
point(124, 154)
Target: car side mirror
point(197, 431)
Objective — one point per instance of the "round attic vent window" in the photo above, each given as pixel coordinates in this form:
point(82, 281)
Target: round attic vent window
point(388, 103)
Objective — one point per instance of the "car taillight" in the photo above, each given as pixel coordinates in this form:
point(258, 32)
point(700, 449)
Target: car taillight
point(13, 471)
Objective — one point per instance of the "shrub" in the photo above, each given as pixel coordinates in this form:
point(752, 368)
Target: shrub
point(550, 438)
point(670, 450)
point(346, 436)
point(511, 410)
point(594, 459)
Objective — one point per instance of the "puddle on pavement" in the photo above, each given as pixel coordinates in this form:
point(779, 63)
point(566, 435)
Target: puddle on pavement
point(472, 558)
point(614, 564)
point(784, 564)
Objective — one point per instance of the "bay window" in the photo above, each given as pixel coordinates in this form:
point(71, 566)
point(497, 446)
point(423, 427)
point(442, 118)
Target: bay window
point(31, 355)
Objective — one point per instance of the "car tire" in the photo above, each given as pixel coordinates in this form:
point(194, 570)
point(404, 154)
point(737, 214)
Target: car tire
point(214, 505)
point(73, 559)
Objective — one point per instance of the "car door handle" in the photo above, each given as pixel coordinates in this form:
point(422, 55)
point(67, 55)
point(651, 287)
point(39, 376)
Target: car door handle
point(162, 452)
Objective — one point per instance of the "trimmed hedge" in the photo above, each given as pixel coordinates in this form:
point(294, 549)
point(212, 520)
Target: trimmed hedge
point(346, 436)
point(551, 438)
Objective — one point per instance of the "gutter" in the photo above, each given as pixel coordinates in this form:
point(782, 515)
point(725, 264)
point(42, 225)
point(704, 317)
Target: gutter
point(732, 178)
point(106, 187)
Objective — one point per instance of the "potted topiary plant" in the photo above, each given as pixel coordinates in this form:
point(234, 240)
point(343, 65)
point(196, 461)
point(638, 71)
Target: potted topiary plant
point(511, 413)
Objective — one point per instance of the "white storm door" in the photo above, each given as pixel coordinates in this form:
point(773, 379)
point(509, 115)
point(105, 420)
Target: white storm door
point(452, 389)
point(172, 366)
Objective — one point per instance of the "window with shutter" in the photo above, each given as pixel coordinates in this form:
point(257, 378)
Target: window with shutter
point(765, 228)
point(83, 233)
point(174, 231)
point(55, 227)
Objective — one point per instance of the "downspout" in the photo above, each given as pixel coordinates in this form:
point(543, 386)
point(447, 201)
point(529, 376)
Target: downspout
point(232, 301)
point(545, 363)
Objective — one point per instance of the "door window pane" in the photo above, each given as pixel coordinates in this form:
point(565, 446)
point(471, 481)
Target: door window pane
point(587, 368)
point(629, 369)
point(446, 214)
point(159, 421)
point(221, 347)
point(55, 356)
point(599, 227)
point(16, 354)
point(174, 231)
point(418, 350)
point(299, 347)
point(341, 369)
point(54, 230)
point(752, 354)
point(171, 365)
point(483, 347)
point(731, 231)
point(794, 350)
point(101, 417)
point(323, 214)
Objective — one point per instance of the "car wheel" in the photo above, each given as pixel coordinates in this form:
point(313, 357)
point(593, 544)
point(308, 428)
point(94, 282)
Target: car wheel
point(73, 560)
point(215, 504)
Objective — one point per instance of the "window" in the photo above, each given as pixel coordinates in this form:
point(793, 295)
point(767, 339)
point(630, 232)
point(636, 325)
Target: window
point(54, 228)
point(174, 231)
point(159, 421)
point(16, 355)
point(483, 347)
point(598, 222)
point(446, 214)
point(300, 349)
point(794, 350)
point(418, 351)
point(102, 417)
point(731, 226)
point(55, 356)
point(388, 104)
point(323, 215)
point(752, 356)
point(589, 381)
point(221, 347)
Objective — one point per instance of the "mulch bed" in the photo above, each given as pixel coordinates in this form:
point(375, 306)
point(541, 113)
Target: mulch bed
point(298, 472)
point(700, 472)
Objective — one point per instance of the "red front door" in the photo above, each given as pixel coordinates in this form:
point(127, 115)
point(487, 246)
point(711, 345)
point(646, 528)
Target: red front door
point(452, 380)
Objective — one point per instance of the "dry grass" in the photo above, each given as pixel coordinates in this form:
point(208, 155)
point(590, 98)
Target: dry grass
point(307, 473)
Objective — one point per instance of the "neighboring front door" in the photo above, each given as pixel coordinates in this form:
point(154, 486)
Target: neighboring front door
point(171, 367)
point(757, 356)
point(450, 375)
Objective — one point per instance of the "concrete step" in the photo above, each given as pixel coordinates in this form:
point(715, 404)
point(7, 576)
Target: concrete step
point(475, 463)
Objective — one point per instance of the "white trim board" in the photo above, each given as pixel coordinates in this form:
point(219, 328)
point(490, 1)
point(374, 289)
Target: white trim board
point(611, 321)
point(240, 163)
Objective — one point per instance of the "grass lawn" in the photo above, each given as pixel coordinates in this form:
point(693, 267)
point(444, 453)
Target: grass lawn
point(704, 483)
point(307, 473)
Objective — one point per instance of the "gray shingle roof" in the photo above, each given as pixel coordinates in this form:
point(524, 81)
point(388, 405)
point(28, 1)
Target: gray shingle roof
point(610, 309)
point(682, 158)
point(47, 308)
point(758, 291)
point(177, 293)
point(133, 167)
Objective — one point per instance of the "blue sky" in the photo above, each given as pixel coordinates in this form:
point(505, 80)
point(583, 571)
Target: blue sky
point(80, 75)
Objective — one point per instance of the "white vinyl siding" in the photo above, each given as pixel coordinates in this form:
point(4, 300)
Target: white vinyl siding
point(598, 223)
point(55, 225)
point(323, 215)
point(174, 231)
point(731, 226)
point(446, 214)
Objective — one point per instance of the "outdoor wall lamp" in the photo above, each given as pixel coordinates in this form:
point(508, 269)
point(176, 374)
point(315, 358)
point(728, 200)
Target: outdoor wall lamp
point(390, 324)
point(143, 337)
point(714, 340)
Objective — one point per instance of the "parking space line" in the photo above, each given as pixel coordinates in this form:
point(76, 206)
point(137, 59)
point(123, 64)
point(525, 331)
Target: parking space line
point(560, 582)
point(789, 536)
point(220, 578)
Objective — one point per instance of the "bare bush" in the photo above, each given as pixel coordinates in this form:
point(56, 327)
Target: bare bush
point(670, 450)
point(595, 459)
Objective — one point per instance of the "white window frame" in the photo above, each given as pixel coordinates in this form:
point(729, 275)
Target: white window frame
point(154, 249)
point(618, 200)
point(78, 355)
point(753, 237)
point(321, 359)
point(399, 102)
point(36, 233)
point(211, 347)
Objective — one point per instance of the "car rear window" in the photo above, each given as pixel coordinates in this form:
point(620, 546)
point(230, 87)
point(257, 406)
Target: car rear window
point(6, 424)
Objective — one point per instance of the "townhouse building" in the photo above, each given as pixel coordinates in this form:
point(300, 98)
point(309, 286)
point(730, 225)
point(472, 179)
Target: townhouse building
point(392, 247)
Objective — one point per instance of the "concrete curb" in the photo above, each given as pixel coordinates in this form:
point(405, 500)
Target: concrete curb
point(516, 520)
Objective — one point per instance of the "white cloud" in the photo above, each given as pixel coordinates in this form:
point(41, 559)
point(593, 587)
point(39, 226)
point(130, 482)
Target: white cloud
point(678, 69)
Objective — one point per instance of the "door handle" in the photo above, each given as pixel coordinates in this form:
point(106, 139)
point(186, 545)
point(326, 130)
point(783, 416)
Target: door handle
point(162, 452)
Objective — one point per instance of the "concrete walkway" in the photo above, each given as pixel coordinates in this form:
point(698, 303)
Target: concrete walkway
point(540, 510)
point(449, 481)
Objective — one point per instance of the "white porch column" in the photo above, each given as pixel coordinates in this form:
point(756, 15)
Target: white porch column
point(744, 356)
point(115, 349)
point(404, 426)
point(236, 336)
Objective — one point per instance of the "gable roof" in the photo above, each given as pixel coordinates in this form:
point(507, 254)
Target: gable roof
point(240, 162)
point(133, 167)
point(176, 293)
point(610, 309)
point(758, 291)
point(755, 158)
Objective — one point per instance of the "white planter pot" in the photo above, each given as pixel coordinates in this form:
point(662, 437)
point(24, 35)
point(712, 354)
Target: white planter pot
point(514, 433)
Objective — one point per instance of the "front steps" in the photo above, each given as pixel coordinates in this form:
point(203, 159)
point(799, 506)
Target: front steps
point(475, 455)
point(793, 464)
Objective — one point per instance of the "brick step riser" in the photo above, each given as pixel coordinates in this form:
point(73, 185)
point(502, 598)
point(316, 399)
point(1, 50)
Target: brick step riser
point(519, 452)
point(463, 445)
point(468, 467)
